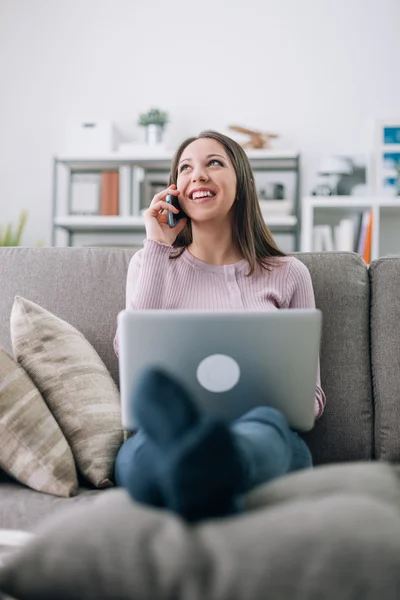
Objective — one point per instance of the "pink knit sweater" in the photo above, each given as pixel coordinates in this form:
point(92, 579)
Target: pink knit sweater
point(156, 282)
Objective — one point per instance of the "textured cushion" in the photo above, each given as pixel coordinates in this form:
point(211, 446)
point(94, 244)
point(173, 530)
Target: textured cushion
point(385, 353)
point(32, 446)
point(342, 546)
point(341, 287)
point(377, 480)
point(75, 384)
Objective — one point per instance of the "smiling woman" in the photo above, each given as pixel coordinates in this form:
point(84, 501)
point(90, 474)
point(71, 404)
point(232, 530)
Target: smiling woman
point(220, 257)
point(215, 183)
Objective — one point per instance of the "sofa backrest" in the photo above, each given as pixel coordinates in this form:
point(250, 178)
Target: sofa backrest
point(83, 286)
point(342, 292)
point(86, 288)
point(385, 353)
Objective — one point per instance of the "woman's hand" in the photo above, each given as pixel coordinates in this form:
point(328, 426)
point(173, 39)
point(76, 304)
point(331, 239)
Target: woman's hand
point(156, 218)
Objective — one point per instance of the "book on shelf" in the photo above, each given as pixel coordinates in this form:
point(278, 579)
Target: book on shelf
point(344, 234)
point(323, 239)
point(109, 199)
point(125, 190)
point(350, 235)
point(368, 239)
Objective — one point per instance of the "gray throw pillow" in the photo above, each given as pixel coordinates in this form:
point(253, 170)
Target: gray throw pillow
point(343, 546)
point(75, 384)
point(32, 447)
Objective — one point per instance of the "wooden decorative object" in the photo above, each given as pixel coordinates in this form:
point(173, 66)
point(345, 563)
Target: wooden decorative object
point(257, 138)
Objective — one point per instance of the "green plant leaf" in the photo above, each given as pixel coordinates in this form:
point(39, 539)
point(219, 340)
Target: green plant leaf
point(154, 117)
point(21, 226)
point(8, 236)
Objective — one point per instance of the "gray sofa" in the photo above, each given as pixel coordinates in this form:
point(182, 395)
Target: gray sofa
point(331, 533)
point(360, 353)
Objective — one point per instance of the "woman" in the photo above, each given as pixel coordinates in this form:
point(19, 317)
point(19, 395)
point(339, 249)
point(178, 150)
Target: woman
point(220, 257)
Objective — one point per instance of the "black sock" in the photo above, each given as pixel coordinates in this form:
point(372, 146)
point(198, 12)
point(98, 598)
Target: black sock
point(202, 474)
point(163, 407)
point(197, 462)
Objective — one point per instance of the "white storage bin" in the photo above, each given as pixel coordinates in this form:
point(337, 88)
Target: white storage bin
point(90, 137)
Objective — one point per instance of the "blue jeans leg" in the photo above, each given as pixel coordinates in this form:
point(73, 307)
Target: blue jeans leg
point(134, 470)
point(268, 449)
point(268, 446)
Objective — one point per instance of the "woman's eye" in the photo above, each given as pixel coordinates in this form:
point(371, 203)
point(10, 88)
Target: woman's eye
point(183, 168)
point(215, 160)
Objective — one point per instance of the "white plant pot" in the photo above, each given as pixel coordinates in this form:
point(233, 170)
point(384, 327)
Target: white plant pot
point(154, 134)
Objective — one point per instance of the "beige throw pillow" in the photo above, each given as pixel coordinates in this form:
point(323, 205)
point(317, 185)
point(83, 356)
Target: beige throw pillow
point(75, 384)
point(32, 446)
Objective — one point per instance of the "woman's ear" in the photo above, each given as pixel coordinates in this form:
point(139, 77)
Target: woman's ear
point(252, 183)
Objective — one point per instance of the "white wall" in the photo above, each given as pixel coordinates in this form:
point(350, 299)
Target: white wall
point(316, 71)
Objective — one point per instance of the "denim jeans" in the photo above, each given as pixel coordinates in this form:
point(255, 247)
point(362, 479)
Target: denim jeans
point(268, 448)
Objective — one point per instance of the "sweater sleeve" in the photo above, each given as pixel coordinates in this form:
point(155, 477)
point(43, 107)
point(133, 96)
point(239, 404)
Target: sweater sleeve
point(301, 295)
point(146, 278)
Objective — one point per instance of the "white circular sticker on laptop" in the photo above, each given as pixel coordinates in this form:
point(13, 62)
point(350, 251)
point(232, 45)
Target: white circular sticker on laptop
point(218, 373)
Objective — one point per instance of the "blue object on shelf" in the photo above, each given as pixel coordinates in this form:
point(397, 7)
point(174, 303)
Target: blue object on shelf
point(391, 135)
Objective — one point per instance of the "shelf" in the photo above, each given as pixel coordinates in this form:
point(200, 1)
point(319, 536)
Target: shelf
point(165, 155)
point(116, 223)
point(161, 159)
point(389, 148)
point(99, 223)
point(141, 167)
point(331, 209)
point(350, 201)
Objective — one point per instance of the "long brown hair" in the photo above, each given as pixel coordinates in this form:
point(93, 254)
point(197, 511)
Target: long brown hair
point(252, 235)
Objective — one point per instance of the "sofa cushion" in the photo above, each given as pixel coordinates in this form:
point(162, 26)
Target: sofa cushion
point(335, 546)
point(341, 287)
point(385, 353)
point(24, 509)
point(75, 384)
point(32, 446)
point(374, 479)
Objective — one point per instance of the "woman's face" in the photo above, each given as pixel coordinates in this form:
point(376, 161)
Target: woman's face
point(206, 181)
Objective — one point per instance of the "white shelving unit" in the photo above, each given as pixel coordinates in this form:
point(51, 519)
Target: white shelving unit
point(117, 223)
point(331, 207)
point(142, 170)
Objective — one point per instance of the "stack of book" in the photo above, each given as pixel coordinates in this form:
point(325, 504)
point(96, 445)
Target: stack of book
point(106, 193)
point(350, 235)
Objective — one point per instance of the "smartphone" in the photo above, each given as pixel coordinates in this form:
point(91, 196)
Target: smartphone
point(173, 218)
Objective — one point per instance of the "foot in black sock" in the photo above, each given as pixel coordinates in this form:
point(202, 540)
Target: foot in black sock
point(162, 406)
point(198, 465)
point(202, 474)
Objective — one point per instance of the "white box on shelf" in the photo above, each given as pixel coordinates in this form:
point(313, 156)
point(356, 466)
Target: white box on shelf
point(85, 194)
point(275, 207)
point(90, 137)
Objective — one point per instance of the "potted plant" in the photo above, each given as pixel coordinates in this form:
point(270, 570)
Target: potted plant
point(9, 238)
point(154, 121)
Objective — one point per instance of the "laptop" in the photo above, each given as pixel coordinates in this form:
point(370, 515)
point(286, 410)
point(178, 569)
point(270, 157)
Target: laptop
point(230, 362)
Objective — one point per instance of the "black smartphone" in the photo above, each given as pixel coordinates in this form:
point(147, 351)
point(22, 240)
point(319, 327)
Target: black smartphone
point(173, 218)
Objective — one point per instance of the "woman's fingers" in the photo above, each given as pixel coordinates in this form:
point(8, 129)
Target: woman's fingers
point(161, 205)
point(162, 195)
